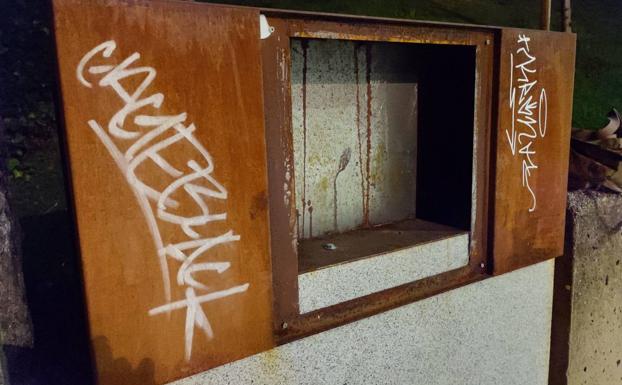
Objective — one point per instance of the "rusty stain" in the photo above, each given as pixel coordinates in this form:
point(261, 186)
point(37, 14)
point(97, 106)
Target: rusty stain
point(368, 159)
point(515, 241)
point(358, 122)
point(310, 219)
point(372, 37)
point(228, 104)
point(344, 160)
point(297, 223)
point(237, 81)
point(305, 48)
point(259, 204)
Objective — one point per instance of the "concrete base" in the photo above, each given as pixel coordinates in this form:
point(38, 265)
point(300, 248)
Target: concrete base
point(590, 282)
point(346, 281)
point(492, 332)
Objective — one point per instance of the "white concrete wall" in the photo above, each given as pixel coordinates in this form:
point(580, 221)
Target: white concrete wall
point(352, 102)
point(494, 332)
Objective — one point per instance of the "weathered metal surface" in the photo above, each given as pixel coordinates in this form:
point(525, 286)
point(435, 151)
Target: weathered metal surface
point(275, 54)
point(206, 58)
point(288, 322)
point(532, 146)
point(344, 18)
point(164, 126)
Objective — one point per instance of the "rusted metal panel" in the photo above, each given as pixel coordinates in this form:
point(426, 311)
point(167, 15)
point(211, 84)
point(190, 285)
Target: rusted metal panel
point(165, 133)
point(358, 19)
point(536, 77)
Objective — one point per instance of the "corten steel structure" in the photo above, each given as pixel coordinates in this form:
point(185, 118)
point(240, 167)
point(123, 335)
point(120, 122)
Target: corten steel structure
point(181, 127)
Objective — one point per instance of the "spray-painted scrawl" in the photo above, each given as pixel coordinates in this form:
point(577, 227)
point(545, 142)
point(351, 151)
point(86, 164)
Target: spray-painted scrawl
point(528, 107)
point(144, 141)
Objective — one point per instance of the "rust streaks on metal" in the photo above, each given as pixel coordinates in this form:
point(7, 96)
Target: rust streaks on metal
point(368, 37)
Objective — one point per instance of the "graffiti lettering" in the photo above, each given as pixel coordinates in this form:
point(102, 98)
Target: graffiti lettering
point(529, 112)
point(147, 139)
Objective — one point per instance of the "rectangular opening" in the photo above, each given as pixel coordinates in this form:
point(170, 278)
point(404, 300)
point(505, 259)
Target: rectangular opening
point(383, 141)
point(383, 146)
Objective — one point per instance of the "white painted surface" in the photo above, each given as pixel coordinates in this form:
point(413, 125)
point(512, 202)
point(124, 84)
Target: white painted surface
point(346, 281)
point(494, 332)
point(265, 30)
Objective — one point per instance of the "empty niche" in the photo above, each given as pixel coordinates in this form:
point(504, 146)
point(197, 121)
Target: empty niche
point(376, 133)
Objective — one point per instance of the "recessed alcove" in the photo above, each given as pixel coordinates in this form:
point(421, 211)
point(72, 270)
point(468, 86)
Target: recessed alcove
point(383, 154)
point(383, 147)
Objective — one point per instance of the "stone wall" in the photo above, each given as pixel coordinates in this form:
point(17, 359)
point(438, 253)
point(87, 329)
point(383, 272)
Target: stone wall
point(588, 315)
point(14, 320)
point(15, 325)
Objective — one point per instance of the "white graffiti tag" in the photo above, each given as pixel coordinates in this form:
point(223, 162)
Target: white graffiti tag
point(529, 112)
point(144, 145)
